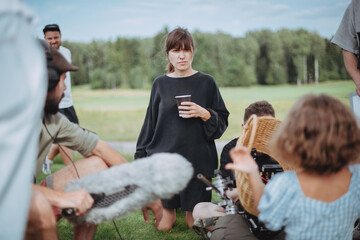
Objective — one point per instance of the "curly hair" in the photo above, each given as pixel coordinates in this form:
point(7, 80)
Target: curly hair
point(259, 108)
point(320, 135)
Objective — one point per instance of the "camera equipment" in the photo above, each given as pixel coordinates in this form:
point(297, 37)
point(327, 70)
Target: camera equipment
point(267, 171)
point(268, 168)
point(220, 186)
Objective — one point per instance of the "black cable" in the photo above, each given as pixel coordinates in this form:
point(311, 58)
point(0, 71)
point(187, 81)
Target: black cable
point(70, 158)
point(117, 230)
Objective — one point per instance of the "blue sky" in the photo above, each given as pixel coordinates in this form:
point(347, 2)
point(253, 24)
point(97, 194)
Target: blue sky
point(87, 20)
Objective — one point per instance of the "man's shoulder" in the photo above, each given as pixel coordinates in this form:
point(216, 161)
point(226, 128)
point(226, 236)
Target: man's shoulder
point(231, 144)
point(63, 49)
point(57, 120)
point(52, 118)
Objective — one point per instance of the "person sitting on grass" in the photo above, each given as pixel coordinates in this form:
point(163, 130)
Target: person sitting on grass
point(320, 137)
point(206, 214)
point(49, 196)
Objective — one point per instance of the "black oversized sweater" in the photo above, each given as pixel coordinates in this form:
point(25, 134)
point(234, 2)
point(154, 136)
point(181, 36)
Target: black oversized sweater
point(164, 131)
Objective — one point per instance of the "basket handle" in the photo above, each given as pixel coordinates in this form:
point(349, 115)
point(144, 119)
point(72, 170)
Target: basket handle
point(254, 118)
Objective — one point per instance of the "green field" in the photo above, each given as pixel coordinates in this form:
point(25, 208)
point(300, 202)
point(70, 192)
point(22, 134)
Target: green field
point(118, 116)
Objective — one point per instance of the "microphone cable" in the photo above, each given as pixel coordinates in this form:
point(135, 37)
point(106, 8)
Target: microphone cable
point(55, 142)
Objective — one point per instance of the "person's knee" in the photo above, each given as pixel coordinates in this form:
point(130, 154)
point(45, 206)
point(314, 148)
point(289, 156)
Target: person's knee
point(199, 209)
point(96, 164)
point(83, 167)
point(41, 216)
point(207, 209)
point(90, 165)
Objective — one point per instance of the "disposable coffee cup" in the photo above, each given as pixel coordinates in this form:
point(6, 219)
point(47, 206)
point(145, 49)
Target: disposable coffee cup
point(180, 99)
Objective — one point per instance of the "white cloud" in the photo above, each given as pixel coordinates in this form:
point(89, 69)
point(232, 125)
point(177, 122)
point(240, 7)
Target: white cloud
point(141, 18)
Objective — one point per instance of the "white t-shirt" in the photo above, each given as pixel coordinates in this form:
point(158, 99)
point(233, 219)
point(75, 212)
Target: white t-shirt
point(67, 100)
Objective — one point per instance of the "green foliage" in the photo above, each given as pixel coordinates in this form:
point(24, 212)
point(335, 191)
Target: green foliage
point(334, 63)
point(157, 55)
point(261, 57)
point(137, 77)
point(270, 60)
point(97, 78)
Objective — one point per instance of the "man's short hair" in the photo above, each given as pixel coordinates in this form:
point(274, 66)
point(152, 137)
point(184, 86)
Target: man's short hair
point(260, 108)
point(51, 27)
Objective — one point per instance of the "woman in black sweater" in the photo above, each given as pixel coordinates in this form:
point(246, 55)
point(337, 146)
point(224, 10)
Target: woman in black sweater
point(203, 119)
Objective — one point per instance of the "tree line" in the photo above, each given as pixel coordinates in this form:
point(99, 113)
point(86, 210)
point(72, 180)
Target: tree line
point(261, 57)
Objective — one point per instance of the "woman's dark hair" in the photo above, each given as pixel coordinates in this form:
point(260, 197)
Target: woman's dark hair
point(179, 38)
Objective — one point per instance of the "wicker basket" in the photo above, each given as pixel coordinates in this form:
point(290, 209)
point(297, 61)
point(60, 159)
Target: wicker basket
point(256, 134)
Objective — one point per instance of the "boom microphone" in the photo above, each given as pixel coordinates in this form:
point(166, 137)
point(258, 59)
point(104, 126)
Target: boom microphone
point(128, 187)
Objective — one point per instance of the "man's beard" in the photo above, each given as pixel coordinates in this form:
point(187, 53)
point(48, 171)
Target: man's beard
point(52, 105)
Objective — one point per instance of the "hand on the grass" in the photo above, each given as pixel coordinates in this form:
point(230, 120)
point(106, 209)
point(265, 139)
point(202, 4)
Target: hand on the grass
point(192, 110)
point(157, 209)
point(242, 161)
point(80, 200)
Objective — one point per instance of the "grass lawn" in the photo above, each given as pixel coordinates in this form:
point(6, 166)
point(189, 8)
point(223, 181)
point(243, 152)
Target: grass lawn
point(118, 116)
point(133, 227)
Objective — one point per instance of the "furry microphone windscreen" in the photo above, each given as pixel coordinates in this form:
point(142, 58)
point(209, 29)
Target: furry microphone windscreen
point(128, 187)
